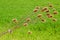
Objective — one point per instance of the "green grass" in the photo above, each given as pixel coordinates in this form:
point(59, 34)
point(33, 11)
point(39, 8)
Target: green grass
point(10, 9)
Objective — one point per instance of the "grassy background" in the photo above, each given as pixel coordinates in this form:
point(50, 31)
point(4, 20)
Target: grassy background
point(10, 9)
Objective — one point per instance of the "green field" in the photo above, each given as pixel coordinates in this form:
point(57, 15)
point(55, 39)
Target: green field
point(20, 9)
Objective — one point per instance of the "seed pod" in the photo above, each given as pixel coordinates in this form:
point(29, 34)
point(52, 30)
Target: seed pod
point(35, 10)
point(25, 24)
point(39, 15)
point(28, 19)
point(55, 12)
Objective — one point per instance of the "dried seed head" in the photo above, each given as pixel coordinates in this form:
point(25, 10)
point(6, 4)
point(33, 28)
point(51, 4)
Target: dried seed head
point(28, 19)
point(54, 19)
point(14, 20)
point(39, 15)
point(35, 10)
point(29, 32)
point(37, 7)
point(25, 24)
point(55, 12)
